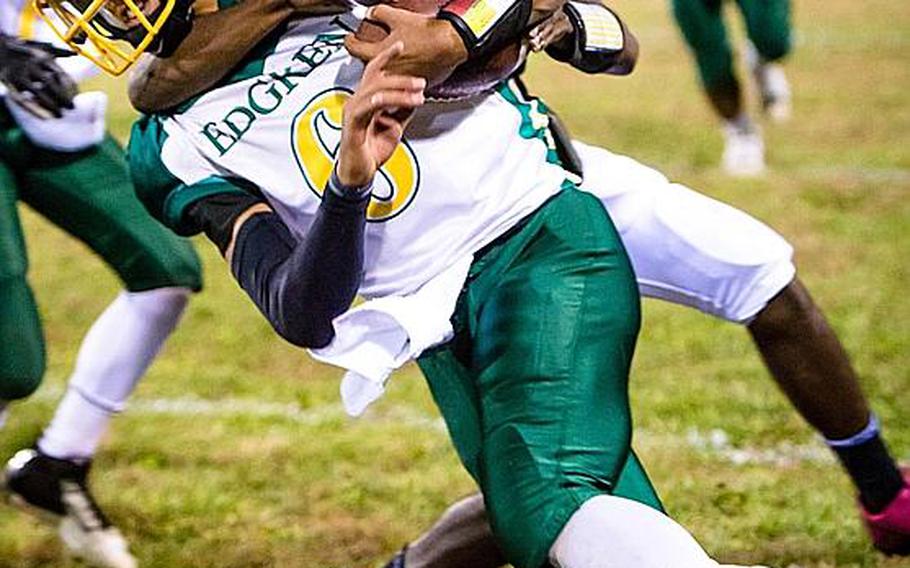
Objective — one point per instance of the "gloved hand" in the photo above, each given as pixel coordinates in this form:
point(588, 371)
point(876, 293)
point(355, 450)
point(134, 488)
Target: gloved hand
point(34, 80)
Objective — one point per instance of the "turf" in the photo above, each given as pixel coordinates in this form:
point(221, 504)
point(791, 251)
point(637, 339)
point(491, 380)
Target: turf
point(237, 455)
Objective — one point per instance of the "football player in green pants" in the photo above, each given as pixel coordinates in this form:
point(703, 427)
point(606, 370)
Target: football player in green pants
point(768, 29)
point(56, 158)
point(657, 221)
point(532, 379)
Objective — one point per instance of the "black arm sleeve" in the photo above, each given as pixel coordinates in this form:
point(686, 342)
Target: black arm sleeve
point(301, 286)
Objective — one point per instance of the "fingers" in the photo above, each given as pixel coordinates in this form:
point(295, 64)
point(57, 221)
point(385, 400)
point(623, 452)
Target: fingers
point(390, 82)
point(60, 86)
point(363, 50)
point(535, 39)
point(375, 65)
point(389, 16)
point(391, 102)
point(392, 95)
point(549, 31)
point(380, 91)
point(58, 51)
point(47, 102)
point(380, 81)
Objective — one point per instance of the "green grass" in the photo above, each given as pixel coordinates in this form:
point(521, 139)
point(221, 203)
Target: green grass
point(247, 489)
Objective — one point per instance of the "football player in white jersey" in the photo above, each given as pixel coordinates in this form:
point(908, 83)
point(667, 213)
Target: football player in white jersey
point(56, 157)
point(673, 238)
point(528, 310)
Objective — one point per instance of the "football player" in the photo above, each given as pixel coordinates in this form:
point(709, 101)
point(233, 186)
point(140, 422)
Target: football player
point(673, 236)
point(768, 30)
point(277, 164)
point(56, 158)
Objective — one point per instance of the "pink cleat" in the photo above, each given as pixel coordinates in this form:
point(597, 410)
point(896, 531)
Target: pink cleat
point(890, 529)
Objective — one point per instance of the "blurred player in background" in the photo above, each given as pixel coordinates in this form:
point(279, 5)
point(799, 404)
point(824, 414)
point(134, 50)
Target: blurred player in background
point(768, 30)
point(56, 157)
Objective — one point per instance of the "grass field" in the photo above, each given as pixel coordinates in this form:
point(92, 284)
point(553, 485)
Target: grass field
point(236, 452)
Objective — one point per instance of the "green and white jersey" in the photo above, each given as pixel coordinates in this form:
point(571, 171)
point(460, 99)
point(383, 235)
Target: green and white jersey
point(465, 173)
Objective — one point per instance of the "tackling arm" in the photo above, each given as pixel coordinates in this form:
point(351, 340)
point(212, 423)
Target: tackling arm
point(438, 41)
point(205, 55)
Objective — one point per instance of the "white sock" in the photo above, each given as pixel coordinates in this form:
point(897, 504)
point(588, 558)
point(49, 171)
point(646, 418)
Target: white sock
point(613, 532)
point(741, 124)
point(115, 353)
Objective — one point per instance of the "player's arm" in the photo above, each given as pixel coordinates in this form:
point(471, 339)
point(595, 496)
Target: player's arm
point(590, 37)
point(464, 30)
point(301, 284)
point(216, 43)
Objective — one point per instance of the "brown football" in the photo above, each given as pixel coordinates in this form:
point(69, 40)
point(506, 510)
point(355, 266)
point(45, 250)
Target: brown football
point(471, 78)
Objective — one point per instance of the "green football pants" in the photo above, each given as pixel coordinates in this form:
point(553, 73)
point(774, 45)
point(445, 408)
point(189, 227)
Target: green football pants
point(702, 25)
point(89, 195)
point(533, 387)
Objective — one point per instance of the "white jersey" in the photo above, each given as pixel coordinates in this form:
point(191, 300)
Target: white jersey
point(465, 173)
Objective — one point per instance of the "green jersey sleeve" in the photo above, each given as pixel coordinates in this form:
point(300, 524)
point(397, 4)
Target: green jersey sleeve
point(167, 197)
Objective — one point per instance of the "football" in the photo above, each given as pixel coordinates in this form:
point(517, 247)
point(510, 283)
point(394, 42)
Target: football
point(469, 79)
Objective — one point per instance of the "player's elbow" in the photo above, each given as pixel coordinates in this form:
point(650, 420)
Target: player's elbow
point(627, 60)
point(149, 89)
point(140, 95)
point(305, 333)
point(137, 86)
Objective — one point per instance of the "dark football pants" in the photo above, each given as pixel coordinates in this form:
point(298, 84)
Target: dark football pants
point(533, 387)
point(702, 25)
point(89, 195)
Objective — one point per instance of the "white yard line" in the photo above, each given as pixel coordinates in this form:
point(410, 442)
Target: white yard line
point(714, 443)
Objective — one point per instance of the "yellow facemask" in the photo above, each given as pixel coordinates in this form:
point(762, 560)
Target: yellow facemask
point(111, 33)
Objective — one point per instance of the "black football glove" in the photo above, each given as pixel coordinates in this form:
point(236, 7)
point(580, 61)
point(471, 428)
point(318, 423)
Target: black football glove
point(32, 77)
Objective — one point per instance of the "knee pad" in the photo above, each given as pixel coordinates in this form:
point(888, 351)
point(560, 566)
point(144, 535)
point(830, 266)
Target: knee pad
point(695, 251)
point(612, 532)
